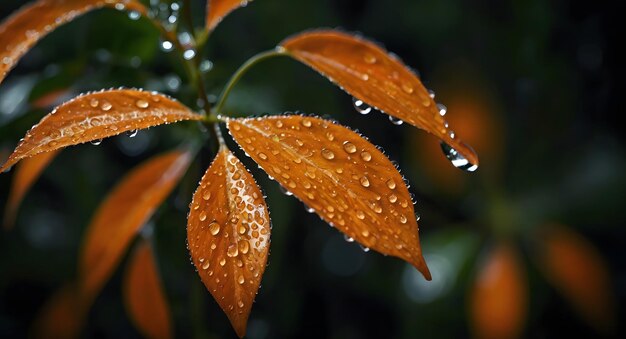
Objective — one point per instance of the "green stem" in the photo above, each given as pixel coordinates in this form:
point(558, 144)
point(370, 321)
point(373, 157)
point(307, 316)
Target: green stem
point(241, 71)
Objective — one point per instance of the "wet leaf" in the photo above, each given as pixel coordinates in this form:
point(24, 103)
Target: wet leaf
point(344, 178)
point(143, 294)
point(122, 214)
point(379, 79)
point(25, 176)
point(228, 233)
point(21, 31)
point(499, 297)
point(61, 316)
point(216, 10)
point(576, 269)
point(99, 115)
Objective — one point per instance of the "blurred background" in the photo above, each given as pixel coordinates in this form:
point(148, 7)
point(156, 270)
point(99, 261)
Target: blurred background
point(530, 245)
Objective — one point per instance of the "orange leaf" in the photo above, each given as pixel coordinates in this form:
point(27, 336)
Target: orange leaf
point(121, 215)
point(99, 115)
point(61, 316)
point(499, 297)
point(143, 294)
point(26, 174)
point(343, 177)
point(20, 32)
point(228, 232)
point(216, 10)
point(371, 74)
point(576, 269)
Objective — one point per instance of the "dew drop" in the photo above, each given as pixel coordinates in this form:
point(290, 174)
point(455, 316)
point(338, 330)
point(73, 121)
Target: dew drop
point(96, 142)
point(407, 88)
point(244, 246)
point(285, 191)
point(189, 54)
point(106, 106)
point(214, 228)
point(360, 215)
point(232, 250)
point(262, 156)
point(241, 280)
point(365, 233)
point(442, 109)
point(347, 238)
point(202, 216)
point(366, 156)
point(361, 106)
point(391, 184)
point(240, 304)
point(167, 46)
point(365, 249)
point(431, 93)
point(206, 195)
point(364, 181)
point(403, 219)
point(396, 121)
point(142, 103)
point(349, 147)
point(94, 103)
point(369, 58)
point(306, 123)
point(206, 265)
point(222, 262)
point(417, 217)
point(393, 198)
point(457, 160)
point(132, 133)
point(328, 154)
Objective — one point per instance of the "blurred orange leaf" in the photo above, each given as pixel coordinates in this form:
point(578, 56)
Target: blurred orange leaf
point(576, 269)
point(228, 232)
point(21, 31)
point(344, 178)
point(121, 215)
point(371, 74)
point(99, 115)
point(144, 296)
point(61, 317)
point(499, 297)
point(216, 10)
point(26, 174)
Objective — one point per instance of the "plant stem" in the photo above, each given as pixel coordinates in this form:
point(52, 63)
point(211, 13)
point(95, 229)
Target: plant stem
point(241, 71)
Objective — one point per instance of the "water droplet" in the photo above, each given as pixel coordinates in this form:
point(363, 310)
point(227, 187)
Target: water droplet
point(96, 142)
point(142, 103)
point(241, 280)
point(189, 54)
point(417, 217)
point(106, 106)
point(408, 88)
point(360, 215)
point(391, 184)
point(206, 265)
point(202, 216)
point(214, 228)
point(262, 156)
point(361, 106)
point(349, 147)
point(244, 246)
point(366, 156)
point(365, 182)
point(328, 154)
point(396, 121)
point(222, 262)
point(206, 65)
point(94, 103)
point(232, 250)
point(365, 233)
point(431, 93)
point(442, 109)
point(403, 219)
point(206, 195)
point(457, 160)
point(167, 46)
point(134, 15)
point(285, 191)
point(306, 123)
point(348, 239)
point(240, 304)
point(132, 133)
point(365, 249)
point(369, 58)
point(393, 198)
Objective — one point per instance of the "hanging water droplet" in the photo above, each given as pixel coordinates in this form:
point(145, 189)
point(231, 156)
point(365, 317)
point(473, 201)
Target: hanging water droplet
point(189, 54)
point(132, 133)
point(442, 109)
point(457, 160)
point(167, 46)
point(134, 15)
point(417, 216)
point(361, 106)
point(206, 65)
point(365, 249)
point(396, 121)
point(96, 142)
point(431, 93)
point(347, 238)
point(285, 191)
point(369, 58)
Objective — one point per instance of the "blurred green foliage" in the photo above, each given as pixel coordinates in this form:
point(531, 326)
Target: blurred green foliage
point(553, 68)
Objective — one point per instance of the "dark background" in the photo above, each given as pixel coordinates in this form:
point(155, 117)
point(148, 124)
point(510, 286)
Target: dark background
point(546, 77)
